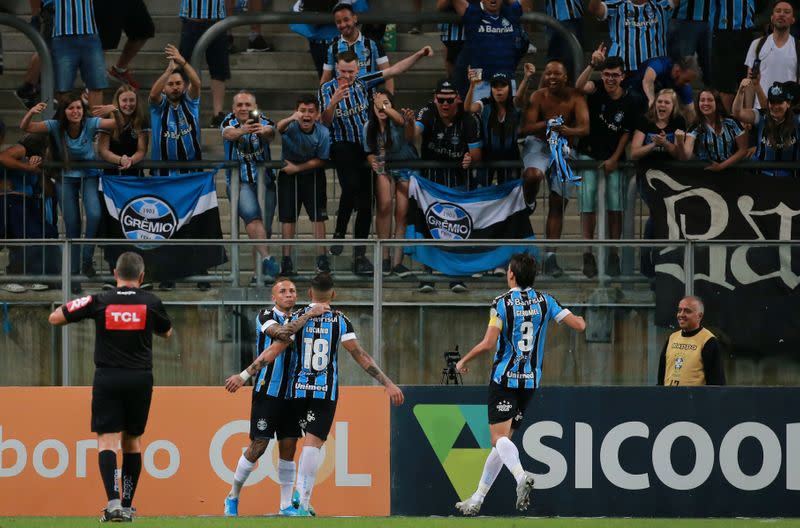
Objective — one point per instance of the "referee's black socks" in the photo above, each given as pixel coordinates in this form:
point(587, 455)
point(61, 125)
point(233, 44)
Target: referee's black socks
point(131, 468)
point(107, 460)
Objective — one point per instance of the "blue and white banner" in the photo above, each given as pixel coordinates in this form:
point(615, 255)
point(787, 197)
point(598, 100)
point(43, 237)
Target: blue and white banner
point(161, 208)
point(439, 212)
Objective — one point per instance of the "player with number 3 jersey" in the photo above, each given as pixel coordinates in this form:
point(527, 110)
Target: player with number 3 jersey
point(517, 330)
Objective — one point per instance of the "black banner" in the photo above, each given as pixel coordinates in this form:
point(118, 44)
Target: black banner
point(751, 294)
point(606, 451)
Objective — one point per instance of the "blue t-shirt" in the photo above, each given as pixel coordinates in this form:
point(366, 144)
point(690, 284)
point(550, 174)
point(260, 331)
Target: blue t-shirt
point(662, 66)
point(80, 148)
point(638, 31)
point(300, 147)
point(493, 42)
point(788, 149)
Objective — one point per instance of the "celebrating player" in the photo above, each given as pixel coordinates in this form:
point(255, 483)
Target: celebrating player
point(314, 381)
point(270, 413)
point(517, 330)
point(126, 319)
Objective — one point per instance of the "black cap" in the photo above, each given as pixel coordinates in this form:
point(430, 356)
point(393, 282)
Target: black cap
point(499, 78)
point(776, 94)
point(445, 86)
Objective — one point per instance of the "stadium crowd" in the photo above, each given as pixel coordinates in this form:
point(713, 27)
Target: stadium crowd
point(673, 80)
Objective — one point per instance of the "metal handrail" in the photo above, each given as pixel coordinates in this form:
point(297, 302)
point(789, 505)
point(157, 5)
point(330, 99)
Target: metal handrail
point(47, 82)
point(291, 17)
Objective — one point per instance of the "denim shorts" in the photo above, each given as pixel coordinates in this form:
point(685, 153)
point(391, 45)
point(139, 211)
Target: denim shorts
point(249, 210)
point(79, 52)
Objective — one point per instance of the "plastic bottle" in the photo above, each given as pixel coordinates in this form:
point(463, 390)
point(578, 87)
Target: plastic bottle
point(390, 38)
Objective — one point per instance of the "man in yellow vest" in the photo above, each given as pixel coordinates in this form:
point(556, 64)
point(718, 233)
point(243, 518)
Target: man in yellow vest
point(691, 356)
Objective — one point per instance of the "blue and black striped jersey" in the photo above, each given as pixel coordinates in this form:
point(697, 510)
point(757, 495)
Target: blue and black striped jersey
point(564, 9)
point(776, 149)
point(315, 372)
point(74, 17)
point(732, 14)
point(522, 317)
point(176, 129)
point(207, 9)
point(695, 10)
point(638, 31)
point(370, 54)
point(716, 147)
point(248, 149)
point(352, 113)
point(274, 378)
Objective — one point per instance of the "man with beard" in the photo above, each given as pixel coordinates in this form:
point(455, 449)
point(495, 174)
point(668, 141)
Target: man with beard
point(613, 111)
point(774, 58)
point(175, 111)
point(554, 99)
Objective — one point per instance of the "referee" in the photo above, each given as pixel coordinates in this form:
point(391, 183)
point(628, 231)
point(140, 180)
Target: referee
point(691, 356)
point(126, 319)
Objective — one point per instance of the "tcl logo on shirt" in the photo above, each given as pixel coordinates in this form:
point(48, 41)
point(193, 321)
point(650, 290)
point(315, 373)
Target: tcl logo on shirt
point(126, 316)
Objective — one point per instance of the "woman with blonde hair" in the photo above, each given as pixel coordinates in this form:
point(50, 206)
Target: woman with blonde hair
point(126, 145)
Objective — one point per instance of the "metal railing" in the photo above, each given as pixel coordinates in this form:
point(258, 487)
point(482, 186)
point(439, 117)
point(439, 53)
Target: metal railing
point(47, 82)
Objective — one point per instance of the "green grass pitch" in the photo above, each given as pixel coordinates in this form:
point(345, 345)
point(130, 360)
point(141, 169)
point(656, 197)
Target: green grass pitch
point(400, 522)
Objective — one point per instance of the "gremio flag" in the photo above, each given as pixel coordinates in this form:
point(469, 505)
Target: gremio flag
point(439, 212)
point(161, 208)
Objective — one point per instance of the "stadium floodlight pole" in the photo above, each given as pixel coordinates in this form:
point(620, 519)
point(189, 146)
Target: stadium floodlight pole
point(47, 79)
point(230, 22)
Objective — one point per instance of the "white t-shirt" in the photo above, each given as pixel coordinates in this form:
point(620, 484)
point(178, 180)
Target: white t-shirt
point(777, 64)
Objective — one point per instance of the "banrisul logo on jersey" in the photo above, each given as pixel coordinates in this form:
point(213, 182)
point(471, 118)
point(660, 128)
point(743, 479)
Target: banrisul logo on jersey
point(448, 221)
point(148, 218)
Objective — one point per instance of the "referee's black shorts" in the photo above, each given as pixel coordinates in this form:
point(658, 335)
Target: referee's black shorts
point(114, 16)
point(121, 400)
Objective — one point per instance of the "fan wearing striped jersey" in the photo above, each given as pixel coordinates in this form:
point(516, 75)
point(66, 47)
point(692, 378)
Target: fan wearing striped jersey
point(271, 413)
point(517, 330)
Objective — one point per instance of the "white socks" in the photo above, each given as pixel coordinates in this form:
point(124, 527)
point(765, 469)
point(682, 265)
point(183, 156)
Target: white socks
point(307, 473)
point(510, 457)
point(491, 469)
point(243, 470)
point(286, 472)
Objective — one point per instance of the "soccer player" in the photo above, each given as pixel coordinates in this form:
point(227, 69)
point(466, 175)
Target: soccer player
point(314, 382)
point(270, 412)
point(517, 331)
point(126, 319)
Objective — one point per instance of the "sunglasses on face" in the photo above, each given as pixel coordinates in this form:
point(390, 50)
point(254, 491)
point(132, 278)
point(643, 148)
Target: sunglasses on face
point(445, 100)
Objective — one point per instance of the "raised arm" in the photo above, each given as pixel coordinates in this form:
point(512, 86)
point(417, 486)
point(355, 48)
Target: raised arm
point(368, 364)
point(744, 96)
point(158, 86)
point(648, 85)
point(584, 82)
point(404, 65)
point(34, 127)
point(519, 97)
point(284, 123)
point(469, 105)
point(194, 80)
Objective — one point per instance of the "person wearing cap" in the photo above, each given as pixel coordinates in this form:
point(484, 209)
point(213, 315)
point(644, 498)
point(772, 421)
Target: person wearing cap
point(776, 129)
point(499, 123)
point(494, 41)
point(447, 133)
point(554, 99)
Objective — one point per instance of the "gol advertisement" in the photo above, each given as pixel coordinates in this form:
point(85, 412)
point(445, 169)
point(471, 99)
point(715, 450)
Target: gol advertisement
point(193, 441)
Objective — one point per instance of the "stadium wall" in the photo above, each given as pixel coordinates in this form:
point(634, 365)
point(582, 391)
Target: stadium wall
point(195, 435)
point(607, 451)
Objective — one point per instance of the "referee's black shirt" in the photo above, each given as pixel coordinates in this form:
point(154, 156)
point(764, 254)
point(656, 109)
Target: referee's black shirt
point(125, 320)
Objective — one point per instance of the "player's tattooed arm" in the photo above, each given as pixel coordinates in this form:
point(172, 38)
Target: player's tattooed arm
point(285, 332)
point(368, 364)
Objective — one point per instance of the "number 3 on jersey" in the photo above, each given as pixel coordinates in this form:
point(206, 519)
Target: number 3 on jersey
point(315, 354)
point(526, 343)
